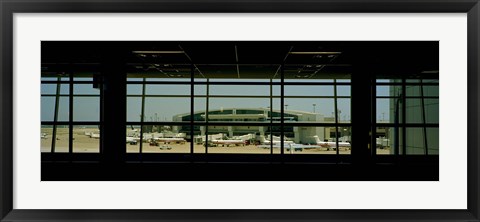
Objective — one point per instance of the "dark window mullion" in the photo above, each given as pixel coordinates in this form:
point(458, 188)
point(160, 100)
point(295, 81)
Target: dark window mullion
point(373, 113)
point(424, 120)
point(206, 116)
point(404, 116)
point(70, 116)
point(337, 150)
point(142, 116)
point(192, 110)
point(55, 116)
point(271, 117)
point(282, 108)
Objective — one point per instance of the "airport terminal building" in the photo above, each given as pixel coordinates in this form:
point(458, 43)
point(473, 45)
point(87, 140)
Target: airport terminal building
point(297, 134)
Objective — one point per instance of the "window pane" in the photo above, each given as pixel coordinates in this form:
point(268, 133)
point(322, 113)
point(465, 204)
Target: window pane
point(62, 138)
point(344, 90)
point(159, 139)
point(166, 109)
point(86, 139)
point(85, 89)
point(86, 109)
point(416, 141)
point(384, 138)
point(240, 109)
point(433, 141)
point(52, 89)
point(134, 89)
point(309, 90)
point(48, 108)
point(389, 110)
point(415, 111)
point(343, 110)
point(431, 110)
point(232, 139)
point(240, 90)
point(384, 91)
point(167, 89)
point(310, 109)
point(134, 109)
point(316, 140)
point(46, 134)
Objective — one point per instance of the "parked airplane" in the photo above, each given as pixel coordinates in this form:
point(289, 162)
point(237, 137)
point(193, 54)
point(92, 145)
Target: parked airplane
point(170, 140)
point(333, 145)
point(132, 140)
point(290, 146)
point(228, 142)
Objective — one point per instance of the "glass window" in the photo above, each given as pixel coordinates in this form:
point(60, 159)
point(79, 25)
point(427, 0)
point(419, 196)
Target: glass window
point(86, 139)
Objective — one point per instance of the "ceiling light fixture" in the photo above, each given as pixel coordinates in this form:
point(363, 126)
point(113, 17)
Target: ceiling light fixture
point(158, 52)
point(315, 53)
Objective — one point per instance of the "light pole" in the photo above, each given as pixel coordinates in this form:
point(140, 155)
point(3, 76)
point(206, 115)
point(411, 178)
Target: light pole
point(286, 105)
point(314, 107)
point(338, 113)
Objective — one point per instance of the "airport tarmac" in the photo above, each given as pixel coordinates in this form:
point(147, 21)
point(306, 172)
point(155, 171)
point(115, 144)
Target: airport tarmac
point(84, 144)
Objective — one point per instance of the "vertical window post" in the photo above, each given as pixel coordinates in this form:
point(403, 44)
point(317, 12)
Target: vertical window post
point(113, 116)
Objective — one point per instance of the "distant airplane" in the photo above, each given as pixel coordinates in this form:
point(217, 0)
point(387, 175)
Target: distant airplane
point(95, 135)
point(229, 142)
point(132, 140)
point(170, 140)
point(333, 145)
point(43, 136)
point(290, 146)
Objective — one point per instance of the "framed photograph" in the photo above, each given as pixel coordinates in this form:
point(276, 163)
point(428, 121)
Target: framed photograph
point(254, 111)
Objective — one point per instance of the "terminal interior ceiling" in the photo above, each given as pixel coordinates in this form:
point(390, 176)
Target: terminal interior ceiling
point(265, 110)
point(245, 60)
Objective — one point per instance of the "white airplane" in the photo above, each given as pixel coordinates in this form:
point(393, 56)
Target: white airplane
point(170, 140)
point(276, 140)
point(229, 142)
point(132, 140)
point(95, 135)
point(290, 146)
point(333, 145)
point(43, 135)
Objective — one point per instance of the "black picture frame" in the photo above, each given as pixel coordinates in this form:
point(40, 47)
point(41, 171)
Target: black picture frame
point(9, 7)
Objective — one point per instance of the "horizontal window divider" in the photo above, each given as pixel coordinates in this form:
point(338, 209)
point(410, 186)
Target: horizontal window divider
point(237, 96)
point(407, 84)
point(408, 97)
point(266, 124)
point(186, 123)
point(234, 96)
point(236, 83)
point(147, 82)
point(317, 124)
point(433, 125)
point(58, 123)
point(320, 97)
point(86, 95)
point(55, 82)
point(166, 96)
point(317, 83)
point(74, 95)
point(212, 123)
point(66, 82)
